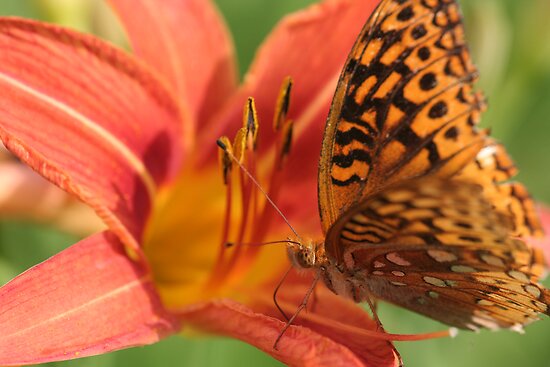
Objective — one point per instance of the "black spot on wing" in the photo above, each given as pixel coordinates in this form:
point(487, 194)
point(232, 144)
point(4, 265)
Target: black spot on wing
point(354, 178)
point(419, 31)
point(405, 14)
point(354, 134)
point(428, 81)
point(438, 110)
point(451, 133)
point(346, 160)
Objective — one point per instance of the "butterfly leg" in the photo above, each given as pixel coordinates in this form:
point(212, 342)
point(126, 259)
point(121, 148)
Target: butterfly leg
point(373, 305)
point(300, 308)
point(361, 294)
point(276, 291)
point(313, 302)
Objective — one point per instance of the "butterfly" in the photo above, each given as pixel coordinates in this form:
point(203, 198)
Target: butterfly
point(416, 202)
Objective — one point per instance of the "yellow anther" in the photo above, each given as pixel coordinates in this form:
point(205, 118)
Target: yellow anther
point(250, 120)
point(283, 103)
point(239, 144)
point(286, 140)
point(224, 155)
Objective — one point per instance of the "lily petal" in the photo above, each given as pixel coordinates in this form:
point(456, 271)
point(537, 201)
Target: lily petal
point(89, 118)
point(336, 317)
point(86, 300)
point(299, 347)
point(198, 55)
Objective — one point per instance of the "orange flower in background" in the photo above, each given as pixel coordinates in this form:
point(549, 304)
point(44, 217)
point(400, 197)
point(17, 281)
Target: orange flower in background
point(133, 137)
point(25, 195)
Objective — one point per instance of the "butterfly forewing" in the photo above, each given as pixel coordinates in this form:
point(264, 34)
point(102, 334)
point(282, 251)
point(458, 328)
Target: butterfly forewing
point(404, 105)
point(437, 246)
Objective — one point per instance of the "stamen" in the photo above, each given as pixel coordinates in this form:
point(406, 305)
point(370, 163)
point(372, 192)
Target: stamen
point(283, 144)
point(227, 216)
point(224, 158)
point(249, 195)
point(286, 140)
point(451, 332)
point(255, 215)
point(283, 104)
point(239, 144)
point(378, 334)
point(265, 194)
point(244, 139)
point(227, 164)
point(250, 119)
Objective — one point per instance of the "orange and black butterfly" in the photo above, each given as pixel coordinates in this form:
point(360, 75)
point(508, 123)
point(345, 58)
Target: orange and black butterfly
point(417, 203)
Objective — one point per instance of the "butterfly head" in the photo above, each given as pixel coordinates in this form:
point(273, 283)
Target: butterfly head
point(306, 254)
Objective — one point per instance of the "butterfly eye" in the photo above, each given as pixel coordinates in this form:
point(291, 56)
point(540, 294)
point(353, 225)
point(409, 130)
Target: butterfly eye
point(299, 256)
point(306, 258)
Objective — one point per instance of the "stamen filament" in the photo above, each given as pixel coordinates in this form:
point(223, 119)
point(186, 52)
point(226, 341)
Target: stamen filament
point(377, 334)
point(214, 279)
point(337, 325)
point(249, 207)
point(255, 214)
point(265, 195)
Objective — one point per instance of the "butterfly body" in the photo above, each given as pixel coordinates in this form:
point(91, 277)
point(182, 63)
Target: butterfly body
point(416, 203)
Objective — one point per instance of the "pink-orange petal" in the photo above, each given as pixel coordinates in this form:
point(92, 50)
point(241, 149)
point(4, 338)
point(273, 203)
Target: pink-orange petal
point(188, 42)
point(335, 317)
point(299, 347)
point(89, 299)
point(88, 117)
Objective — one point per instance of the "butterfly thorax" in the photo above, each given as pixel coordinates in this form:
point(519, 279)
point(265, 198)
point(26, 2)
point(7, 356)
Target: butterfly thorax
point(307, 254)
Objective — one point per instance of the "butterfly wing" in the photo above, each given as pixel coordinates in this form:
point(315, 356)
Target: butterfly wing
point(403, 107)
point(493, 170)
point(438, 247)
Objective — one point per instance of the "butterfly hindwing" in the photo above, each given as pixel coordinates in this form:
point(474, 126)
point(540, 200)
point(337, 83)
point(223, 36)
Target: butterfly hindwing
point(437, 246)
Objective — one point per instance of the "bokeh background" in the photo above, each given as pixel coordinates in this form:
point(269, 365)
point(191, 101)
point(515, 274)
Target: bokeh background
point(510, 41)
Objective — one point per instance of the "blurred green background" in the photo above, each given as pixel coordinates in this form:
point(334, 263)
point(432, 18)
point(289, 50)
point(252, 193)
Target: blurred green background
point(510, 41)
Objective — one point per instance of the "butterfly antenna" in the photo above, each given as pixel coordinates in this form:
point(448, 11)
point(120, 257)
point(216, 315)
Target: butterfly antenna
point(231, 244)
point(243, 168)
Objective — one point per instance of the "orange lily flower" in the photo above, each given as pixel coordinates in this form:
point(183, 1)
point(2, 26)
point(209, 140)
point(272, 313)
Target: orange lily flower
point(133, 137)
